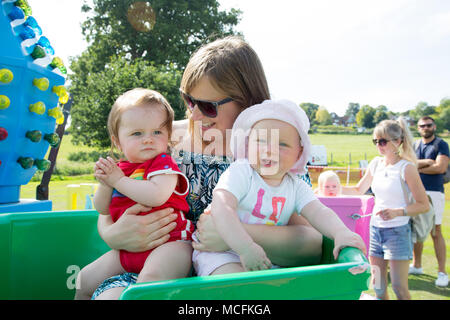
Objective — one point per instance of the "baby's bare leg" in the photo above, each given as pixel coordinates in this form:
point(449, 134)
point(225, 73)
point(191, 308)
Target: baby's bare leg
point(229, 268)
point(170, 260)
point(92, 275)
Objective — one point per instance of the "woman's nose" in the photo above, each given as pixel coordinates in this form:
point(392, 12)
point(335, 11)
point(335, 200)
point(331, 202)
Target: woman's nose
point(197, 114)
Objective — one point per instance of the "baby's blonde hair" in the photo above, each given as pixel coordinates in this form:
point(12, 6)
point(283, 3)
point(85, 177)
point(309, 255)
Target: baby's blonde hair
point(326, 175)
point(135, 98)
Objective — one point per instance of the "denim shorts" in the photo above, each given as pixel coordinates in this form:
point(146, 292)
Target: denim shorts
point(391, 243)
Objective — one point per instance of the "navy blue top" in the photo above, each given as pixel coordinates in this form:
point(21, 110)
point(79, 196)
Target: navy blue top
point(432, 182)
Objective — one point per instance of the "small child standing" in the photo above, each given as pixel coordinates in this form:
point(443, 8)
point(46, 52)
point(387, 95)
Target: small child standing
point(271, 146)
point(140, 125)
point(329, 184)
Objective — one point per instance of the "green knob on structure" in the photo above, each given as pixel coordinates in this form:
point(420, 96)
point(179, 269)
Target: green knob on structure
point(4, 102)
point(23, 4)
point(42, 164)
point(56, 62)
point(59, 90)
point(63, 69)
point(26, 162)
point(54, 112)
point(41, 83)
point(38, 107)
point(6, 76)
point(38, 52)
point(52, 139)
point(34, 135)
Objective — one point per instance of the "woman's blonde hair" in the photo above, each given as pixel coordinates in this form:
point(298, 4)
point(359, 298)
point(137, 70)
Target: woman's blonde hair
point(136, 98)
point(394, 130)
point(232, 67)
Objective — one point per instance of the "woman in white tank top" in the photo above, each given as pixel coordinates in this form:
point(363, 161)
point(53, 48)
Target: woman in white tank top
point(390, 230)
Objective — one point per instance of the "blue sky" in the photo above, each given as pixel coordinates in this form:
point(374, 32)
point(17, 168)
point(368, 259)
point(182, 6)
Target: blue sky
point(391, 52)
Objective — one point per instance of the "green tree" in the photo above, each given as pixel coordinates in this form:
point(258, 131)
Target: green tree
point(90, 114)
point(422, 109)
point(442, 116)
point(162, 31)
point(310, 110)
point(365, 117)
point(159, 35)
point(352, 109)
point(381, 113)
point(323, 117)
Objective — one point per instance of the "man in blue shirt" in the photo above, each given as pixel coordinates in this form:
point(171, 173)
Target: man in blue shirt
point(433, 156)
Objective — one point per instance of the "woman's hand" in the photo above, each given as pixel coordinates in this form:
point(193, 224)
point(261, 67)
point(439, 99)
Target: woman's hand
point(347, 238)
point(389, 214)
point(136, 233)
point(208, 237)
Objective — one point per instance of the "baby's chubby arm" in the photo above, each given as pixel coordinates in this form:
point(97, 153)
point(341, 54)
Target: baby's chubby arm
point(224, 213)
point(328, 223)
point(151, 193)
point(102, 196)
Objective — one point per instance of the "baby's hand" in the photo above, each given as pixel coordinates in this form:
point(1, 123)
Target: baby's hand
point(347, 239)
point(254, 258)
point(99, 174)
point(108, 172)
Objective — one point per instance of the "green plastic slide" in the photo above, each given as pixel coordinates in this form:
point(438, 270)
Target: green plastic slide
point(41, 253)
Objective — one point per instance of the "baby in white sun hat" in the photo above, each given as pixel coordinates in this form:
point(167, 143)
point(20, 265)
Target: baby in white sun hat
point(271, 146)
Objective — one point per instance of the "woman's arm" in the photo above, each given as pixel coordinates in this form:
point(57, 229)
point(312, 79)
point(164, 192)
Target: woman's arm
point(136, 233)
point(292, 245)
point(361, 187)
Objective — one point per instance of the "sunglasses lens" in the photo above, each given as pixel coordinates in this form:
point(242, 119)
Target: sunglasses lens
point(381, 142)
point(188, 101)
point(208, 109)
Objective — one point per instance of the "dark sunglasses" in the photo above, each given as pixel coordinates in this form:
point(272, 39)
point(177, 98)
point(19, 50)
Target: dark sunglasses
point(427, 125)
point(381, 142)
point(208, 108)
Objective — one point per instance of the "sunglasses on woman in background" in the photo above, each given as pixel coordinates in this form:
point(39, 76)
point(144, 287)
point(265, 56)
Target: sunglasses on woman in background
point(381, 142)
point(207, 108)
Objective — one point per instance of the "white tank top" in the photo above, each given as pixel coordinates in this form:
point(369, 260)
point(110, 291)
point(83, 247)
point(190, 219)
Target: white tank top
point(386, 186)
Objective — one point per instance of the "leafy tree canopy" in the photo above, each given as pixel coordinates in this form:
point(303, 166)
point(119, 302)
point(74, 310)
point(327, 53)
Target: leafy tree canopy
point(89, 116)
point(137, 44)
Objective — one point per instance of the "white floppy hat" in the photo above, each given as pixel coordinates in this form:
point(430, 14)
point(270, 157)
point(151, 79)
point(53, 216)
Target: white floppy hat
point(283, 110)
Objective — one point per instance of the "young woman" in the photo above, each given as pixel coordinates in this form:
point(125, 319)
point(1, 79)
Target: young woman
point(221, 79)
point(390, 230)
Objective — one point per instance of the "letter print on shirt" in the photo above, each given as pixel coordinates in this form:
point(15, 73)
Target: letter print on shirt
point(276, 202)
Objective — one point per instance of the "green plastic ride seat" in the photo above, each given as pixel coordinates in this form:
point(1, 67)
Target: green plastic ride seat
point(41, 253)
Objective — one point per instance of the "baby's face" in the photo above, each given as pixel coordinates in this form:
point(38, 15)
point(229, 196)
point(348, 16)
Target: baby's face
point(330, 187)
point(274, 148)
point(141, 133)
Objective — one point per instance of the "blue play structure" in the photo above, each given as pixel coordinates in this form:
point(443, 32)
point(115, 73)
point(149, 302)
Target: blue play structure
point(31, 92)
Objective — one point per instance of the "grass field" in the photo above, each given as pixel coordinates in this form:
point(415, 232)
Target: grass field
point(360, 146)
